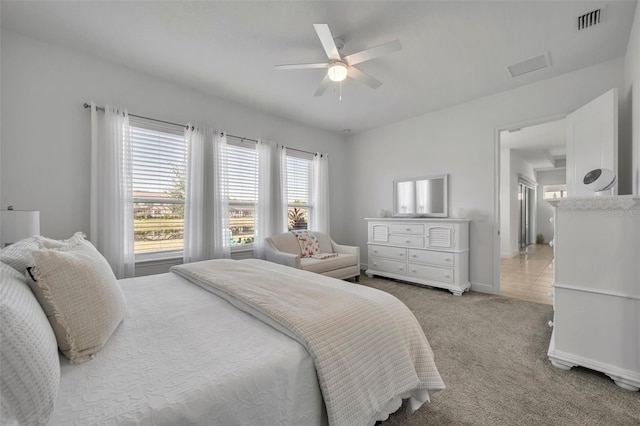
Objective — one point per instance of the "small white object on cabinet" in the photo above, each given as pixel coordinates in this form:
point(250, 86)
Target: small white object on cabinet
point(597, 287)
point(431, 252)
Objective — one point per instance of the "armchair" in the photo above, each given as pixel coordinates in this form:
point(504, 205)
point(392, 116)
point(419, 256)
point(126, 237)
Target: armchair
point(284, 249)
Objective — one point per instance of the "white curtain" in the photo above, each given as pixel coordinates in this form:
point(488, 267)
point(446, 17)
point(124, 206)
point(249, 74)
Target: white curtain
point(195, 247)
point(271, 209)
point(319, 216)
point(217, 191)
point(284, 193)
point(111, 199)
point(206, 222)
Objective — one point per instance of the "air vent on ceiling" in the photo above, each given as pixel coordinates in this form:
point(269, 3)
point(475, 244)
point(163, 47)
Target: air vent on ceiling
point(533, 64)
point(589, 19)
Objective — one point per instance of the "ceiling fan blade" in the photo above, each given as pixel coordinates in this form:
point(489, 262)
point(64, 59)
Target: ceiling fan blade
point(363, 77)
point(301, 66)
point(374, 52)
point(323, 85)
point(324, 34)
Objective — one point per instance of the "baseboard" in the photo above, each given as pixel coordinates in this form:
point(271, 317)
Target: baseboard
point(508, 255)
point(483, 288)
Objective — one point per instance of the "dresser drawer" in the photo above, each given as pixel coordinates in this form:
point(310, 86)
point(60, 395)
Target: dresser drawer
point(386, 265)
point(431, 273)
point(408, 228)
point(406, 241)
point(435, 257)
point(386, 251)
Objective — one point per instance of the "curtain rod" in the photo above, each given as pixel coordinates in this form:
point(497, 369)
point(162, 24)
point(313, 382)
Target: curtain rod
point(186, 126)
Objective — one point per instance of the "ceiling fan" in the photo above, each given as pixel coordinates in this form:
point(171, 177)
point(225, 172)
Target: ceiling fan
point(339, 67)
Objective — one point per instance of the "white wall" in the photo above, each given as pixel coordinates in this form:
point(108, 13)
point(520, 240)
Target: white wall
point(46, 131)
point(461, 141)
point(545, 210)
point(632, 91)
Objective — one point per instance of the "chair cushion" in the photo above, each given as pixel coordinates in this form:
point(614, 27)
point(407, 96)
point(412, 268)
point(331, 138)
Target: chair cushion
point(320, 266)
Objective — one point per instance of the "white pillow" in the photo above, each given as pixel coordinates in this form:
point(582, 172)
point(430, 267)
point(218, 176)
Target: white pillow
point(80, 295)
point(29, 362)
point(18, 254)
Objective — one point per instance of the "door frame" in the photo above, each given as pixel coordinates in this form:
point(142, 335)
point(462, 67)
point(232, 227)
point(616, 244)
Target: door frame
point(496, 184)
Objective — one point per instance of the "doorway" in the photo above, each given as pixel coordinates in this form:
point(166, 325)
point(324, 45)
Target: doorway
point(529, 157)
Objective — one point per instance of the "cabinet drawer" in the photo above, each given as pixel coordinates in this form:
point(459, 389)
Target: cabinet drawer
point(385, 251)
point(408, 228)
point(385, 265)
point(406, 241)
point(435, 257)
point(431, 273)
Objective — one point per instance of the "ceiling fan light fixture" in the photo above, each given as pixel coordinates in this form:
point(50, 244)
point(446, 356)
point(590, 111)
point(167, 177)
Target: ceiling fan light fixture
point(337, 71)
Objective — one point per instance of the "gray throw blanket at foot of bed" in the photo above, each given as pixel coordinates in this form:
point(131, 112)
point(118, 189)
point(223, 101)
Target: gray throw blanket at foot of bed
point(368, 348)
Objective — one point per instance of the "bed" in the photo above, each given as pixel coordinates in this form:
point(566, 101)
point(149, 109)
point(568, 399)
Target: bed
point(190, 352)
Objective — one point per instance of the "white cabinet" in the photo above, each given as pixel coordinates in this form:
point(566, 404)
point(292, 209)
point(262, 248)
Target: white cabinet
point(597, 287)
point(432, 252)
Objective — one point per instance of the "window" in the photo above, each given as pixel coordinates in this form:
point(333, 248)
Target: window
point(243, 191)
point(549, 192)
point(298, 191)
point(159, 156)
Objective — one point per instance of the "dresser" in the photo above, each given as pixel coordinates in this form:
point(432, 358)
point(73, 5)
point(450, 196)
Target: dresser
point(430, 252)
point(596, 289)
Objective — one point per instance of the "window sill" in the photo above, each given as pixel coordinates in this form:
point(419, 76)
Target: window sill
point(158, 257)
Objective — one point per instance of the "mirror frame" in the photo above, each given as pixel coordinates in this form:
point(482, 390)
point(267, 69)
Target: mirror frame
point(445, 200)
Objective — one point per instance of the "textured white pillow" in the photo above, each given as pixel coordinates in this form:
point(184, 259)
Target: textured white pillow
point(80, 295)
point(18, 254)
point(29, 362)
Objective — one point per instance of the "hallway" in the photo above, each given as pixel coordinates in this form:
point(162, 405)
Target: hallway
point(527, 276)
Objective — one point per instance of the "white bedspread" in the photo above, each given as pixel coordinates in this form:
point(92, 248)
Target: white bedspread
point(183, 356)
point(367, 346)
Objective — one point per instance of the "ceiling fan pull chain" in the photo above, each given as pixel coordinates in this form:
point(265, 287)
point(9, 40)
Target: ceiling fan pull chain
point(340, 91)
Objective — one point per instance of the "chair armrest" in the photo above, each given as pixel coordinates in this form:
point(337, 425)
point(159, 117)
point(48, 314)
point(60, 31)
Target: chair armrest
point(353, 250)
point(272, 254)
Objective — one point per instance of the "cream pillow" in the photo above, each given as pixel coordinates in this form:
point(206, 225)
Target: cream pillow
point(80, 295)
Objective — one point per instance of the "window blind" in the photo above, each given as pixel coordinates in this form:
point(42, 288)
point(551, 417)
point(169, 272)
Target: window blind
point(242, 171)
point(298, 170)
point(159, 156)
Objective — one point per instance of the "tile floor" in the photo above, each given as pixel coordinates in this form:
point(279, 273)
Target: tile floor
point(527, 276)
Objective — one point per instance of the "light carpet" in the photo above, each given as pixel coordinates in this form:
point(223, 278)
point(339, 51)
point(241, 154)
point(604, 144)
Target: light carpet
point(491, 352)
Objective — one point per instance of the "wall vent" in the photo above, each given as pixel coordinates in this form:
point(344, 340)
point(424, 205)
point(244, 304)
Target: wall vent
point(533, 64)
point(589, 19)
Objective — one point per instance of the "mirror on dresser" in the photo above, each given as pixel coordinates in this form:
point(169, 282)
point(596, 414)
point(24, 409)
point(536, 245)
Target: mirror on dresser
point(421, 197)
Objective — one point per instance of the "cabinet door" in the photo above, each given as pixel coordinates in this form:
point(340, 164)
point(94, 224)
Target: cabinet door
point(439, 236)
point(379, 233)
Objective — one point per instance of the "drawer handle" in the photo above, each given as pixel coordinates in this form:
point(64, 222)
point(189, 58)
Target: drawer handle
point(400, 268)
point(375, 264)
point(447, 276)
point(550, 324)
point(408, 241)
point(408, 229)
point(413, 270)
point(375, 251)
point(414, 256)
point(400, 254)
point(448, 259)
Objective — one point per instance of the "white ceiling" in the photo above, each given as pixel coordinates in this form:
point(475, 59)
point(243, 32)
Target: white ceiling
point(452, 51)
point(540, 145)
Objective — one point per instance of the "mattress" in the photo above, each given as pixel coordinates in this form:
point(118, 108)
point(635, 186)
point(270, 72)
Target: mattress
point(184, 356)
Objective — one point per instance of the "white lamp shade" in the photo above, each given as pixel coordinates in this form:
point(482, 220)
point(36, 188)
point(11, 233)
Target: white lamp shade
point(18, 224)
point(337, 71)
